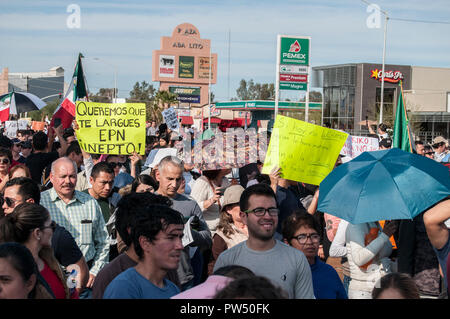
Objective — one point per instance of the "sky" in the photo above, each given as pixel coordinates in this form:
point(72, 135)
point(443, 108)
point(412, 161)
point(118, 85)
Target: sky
point(118, 37)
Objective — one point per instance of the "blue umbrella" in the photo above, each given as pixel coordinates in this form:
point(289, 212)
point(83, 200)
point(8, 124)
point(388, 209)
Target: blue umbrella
point(383, 185)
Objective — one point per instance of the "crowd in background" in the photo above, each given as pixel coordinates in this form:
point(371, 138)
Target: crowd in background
point(79, 225)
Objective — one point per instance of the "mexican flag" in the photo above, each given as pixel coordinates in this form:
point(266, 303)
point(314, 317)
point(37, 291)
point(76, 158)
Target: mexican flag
point(77, 90)
point(5, 102)
point(402, 134)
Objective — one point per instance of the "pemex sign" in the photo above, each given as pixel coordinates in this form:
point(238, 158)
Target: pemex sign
point(293, 62)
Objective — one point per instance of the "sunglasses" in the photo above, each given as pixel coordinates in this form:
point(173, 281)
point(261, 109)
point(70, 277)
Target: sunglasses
point(4, 161)
point(113, 165)
point(429, 153)
point(10, 202)
point(52, 226)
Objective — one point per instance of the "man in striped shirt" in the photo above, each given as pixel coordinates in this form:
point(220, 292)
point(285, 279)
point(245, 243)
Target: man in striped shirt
point(79, 213)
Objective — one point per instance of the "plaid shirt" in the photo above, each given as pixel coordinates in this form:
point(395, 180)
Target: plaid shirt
point(83, 218)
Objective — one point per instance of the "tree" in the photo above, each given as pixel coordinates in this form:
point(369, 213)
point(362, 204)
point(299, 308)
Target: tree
point(145, 93)
point(255, 91)
point(103, 96)
point(314, 96)
point(49, 109)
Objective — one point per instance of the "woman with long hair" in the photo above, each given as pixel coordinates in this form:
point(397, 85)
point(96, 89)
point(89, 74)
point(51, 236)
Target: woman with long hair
point(30, 224)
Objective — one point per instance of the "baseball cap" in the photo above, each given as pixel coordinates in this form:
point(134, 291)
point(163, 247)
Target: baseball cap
point(26, 144)
point(439, 139)
point(15, 141)
point(232, 195)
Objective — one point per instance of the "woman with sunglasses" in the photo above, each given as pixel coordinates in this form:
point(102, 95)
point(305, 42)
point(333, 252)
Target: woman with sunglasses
point(30, 224)
point(5, 164)
point(301, 231)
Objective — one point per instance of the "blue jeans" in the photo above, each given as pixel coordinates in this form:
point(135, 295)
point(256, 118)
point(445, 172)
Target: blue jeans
point(346, 283)
point(86, 293)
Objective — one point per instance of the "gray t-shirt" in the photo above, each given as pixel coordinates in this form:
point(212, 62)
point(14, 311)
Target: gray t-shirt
point(285, 266)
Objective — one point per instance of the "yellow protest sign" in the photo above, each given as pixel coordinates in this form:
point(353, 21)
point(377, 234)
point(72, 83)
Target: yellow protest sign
point(305, 152)
point(111, 128)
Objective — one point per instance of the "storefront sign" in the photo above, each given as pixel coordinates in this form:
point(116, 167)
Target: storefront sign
point(167, 66)
point(203, 68)
point(294, 78)
point(186, 67)
point(389, 76)
point(186, 94)
point(294, 51)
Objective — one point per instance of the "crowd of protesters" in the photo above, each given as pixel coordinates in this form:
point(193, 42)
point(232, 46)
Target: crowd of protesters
point(79, 225)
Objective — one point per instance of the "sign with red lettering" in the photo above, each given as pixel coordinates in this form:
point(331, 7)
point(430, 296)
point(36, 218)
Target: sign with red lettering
point(355, 145)
point(303, 78)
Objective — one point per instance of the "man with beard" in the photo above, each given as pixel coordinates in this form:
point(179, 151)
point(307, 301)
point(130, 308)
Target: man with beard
point(285, 266)
point(79, 213)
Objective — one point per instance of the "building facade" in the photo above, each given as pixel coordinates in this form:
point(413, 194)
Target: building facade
point(352, 94)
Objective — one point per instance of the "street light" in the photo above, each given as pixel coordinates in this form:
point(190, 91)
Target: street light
point(115, 74)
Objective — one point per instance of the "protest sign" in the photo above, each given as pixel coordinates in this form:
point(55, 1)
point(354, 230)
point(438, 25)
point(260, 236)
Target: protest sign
point(11, 129)
point(355, 145)
point(111, 128)
point(22, 124)
point(170, 118)
point(37, 126)
point(305, 152)
point(156, 155)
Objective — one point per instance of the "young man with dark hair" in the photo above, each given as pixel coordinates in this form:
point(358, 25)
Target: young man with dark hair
point(22, 189)
point(157, 239)
point(385, 144)
point(102, 180)
point(41, 157)
point(124, 216)
point(262, 253)
point(74, 153)
point(419, 148)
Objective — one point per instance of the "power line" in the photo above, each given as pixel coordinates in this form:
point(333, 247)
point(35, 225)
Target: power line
point(420, 21)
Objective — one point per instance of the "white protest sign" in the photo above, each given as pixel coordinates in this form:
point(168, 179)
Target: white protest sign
point(158, 154)
point(22, 124)
point(11, 129)
point(170, 117)
point(355, 145)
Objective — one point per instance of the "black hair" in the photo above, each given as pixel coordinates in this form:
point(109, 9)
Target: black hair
point(211, 173)
point(40, 141)
point(234, 271)
point(28, 188)
point(165, 136)
point(162, 128)
point(257, 189)
point(418, 143)
point(144, 179)
point(127, 208)
point(7, 153)
point(386, 142)
point(18, 225)
point(297, 219)
point(149, 221)
point(383, 127)
point(74, 147)
point(401, 282)
point(5, 142)
point(101, 167)
point(255, 287)
point(21, 260)
point(68, 132)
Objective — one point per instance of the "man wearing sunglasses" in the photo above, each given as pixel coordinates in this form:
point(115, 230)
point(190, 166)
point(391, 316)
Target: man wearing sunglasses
point(440, 148)
point(22, 189)
point(285, 266)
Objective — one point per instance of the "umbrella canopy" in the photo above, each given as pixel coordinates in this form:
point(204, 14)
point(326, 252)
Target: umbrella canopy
point(383, 185)
point(22, 102)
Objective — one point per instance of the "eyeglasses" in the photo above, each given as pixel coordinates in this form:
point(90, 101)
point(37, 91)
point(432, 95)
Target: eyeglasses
point(10, 202)
point(52, 226)
point(113, 164)
point(429, 153)
point(303, 238)
point(4, 161)
point(260, 211)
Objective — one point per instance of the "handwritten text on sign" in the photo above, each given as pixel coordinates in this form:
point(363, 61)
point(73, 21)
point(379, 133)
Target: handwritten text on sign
point(305, 152)
point(106, 128)
point(355, 145)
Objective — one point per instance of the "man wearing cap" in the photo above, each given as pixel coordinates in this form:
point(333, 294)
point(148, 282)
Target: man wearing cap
point(440, 147)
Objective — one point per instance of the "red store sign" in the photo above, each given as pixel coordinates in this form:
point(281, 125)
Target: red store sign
point(389, 76)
